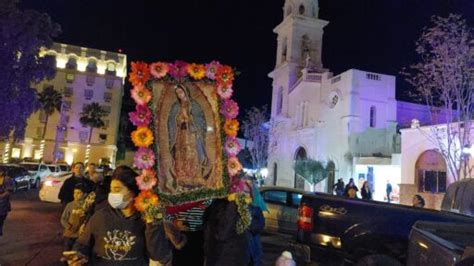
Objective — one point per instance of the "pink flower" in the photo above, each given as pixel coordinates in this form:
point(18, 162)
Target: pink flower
point(211, 69)
point(237, 185)
point(159, 69)
point(146, 180)
point(224, 91)
point(140, 94)
point(179, 69)
point(144, 158)
point(233, 166)
point(141, 117)
point(232, 146)
point(229, 109)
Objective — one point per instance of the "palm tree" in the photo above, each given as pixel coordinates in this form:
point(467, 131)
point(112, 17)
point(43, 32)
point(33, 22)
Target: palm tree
point(50, 101)
point(91, 116)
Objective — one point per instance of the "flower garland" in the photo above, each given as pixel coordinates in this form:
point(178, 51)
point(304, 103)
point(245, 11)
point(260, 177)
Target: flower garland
point(146, 159)
point(242, 201)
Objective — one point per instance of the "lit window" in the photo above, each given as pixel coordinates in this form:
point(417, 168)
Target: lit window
point(70, 77)
point(16, 153)
point(110, 68)
point(37, 154)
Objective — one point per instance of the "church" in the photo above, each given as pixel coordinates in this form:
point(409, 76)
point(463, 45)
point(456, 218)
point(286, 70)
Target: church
point(347, 121)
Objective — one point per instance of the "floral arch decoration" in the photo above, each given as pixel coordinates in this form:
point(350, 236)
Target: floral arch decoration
point(186, 131)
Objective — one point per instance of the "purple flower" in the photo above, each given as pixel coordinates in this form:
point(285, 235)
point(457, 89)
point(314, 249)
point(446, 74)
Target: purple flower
point(229, 109)
point(141, 117)
point(144, 158)
point(178, 69)
point(232, 146)
point(211, 69)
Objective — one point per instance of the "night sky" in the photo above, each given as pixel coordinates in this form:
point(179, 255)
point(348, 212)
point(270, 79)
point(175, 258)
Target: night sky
point(372, 35)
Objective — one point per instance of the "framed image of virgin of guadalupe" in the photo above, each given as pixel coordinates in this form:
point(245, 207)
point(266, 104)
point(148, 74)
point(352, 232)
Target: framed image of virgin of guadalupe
point(193, 127)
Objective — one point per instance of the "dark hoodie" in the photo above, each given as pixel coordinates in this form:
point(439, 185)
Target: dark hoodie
point(113, 239)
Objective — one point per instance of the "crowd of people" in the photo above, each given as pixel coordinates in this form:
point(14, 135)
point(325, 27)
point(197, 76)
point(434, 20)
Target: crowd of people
point(102, 226)
point(350, 190)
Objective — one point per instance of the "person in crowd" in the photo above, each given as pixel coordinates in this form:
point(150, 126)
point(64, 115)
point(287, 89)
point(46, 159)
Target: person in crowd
point(365, 192)
point(350, 185)
point(6, 187)
point(285, 259)
point(71, 216)
point(92, 174)
point(418, 201)
point(352, 193)
point(188, 218)
point(116, 234)
point(223, 245)
point(257, 224)
point(339, 187)
point(389, 191)
point(66, 193)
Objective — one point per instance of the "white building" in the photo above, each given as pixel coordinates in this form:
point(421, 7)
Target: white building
point(83, 76)
point(348, 120)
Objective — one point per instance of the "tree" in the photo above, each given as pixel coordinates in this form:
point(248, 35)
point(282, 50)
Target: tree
point(91, 116)
point(254, 130)
point(22, 33)
point(443, 79)
point(50, 101)
point(311, 170)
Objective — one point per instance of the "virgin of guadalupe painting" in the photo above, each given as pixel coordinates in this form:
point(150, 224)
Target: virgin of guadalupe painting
point(189, 144)
point(187, 132)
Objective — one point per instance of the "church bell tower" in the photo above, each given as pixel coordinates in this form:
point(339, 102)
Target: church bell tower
point(300, 38)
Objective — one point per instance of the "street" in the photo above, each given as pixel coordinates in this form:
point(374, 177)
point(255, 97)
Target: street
point(33, 234)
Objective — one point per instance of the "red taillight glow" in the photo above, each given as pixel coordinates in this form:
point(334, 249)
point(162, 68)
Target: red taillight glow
point(305, 218)
point(50, 183)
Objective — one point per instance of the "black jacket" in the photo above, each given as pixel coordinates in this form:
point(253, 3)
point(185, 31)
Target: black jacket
point(222, 245)
point(66, 194)
point(113, 239)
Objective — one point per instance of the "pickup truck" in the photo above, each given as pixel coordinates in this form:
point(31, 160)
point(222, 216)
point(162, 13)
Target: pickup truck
point(360, 231)
point(441, 244)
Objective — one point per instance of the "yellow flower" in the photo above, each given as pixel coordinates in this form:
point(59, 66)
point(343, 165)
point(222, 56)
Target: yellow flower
point(142, 137)
point(196, 71)
point(231, 127)
point(232, 197)
point(248, 199)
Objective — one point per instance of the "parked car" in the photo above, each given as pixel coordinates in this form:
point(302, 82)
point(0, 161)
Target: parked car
point(282, 206)
point(52, 184)
point(366, 232)
point(20, 176)
point(39, 171)
point(441, 244)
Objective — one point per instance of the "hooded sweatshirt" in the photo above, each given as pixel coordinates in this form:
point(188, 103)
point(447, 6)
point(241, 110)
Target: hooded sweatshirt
point(113, 239)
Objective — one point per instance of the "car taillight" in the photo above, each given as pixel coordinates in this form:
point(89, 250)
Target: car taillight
point(305, 218)
point(50, 183)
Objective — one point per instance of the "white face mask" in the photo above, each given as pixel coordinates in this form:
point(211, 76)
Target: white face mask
point(116, 201)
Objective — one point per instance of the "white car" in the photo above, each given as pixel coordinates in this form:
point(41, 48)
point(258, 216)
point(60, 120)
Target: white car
point(39, 171)
point(52, 184)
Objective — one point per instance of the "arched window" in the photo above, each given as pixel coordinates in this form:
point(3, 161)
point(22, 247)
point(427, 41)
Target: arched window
point(301, 10)
point(91, 66)
point(373, 116)
point(299, 156)
point(110, 68)
point(279, 101)
point(305, 48)
point(275, 173)
point(284, 48)
point(430, 172)
point(71, 63)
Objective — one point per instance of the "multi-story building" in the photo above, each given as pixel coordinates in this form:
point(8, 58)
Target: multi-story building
point(83, 76)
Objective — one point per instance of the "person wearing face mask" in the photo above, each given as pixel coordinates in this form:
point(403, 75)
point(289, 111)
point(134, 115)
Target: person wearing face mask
point(116, 234)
